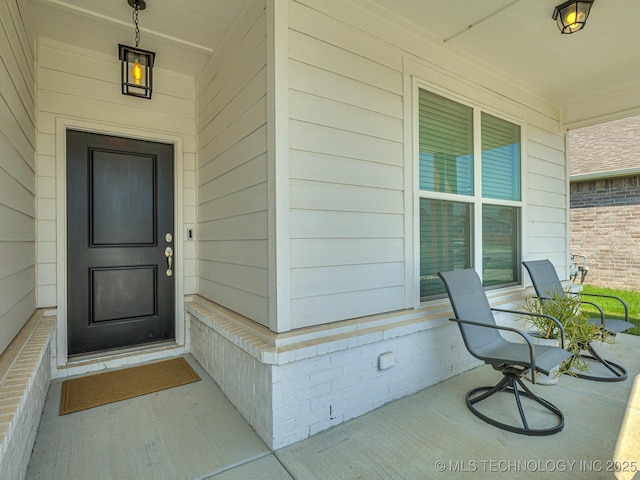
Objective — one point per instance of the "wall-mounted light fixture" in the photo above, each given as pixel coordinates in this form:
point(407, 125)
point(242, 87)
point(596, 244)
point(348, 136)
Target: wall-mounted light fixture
point(136, 64)
point(572, 16)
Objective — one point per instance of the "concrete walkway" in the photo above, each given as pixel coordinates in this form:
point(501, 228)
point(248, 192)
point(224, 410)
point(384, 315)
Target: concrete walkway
point(193, 432)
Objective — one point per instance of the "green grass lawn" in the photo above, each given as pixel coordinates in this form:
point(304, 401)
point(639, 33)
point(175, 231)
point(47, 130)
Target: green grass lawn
point(613, 308)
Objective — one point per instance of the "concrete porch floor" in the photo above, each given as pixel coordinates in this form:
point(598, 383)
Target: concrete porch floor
point(193, 432)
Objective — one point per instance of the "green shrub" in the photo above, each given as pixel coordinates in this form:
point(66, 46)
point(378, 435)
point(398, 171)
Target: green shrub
point(578, 330)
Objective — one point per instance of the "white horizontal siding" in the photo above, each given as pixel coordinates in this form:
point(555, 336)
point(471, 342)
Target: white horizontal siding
point(547, 221)
point(371, 26)
point(316, 138)
point(242, 202)
point(95, 97)
point(250, 304)
point(330, 308)
point(243, 176)
point(232, 172)
point(347, 171)
point(315, 52)
point(252, 253)
point(240, 277)
point(332, 280)
point(241, 227)
point(17, 172)
point(234, 132)
point(251, 147)
point(325, 111)
point(322, 252)
point(323, 224)
point(350, 171)
point(342, 170)
point(328, 84)
point(310, 195)
point(545, 183)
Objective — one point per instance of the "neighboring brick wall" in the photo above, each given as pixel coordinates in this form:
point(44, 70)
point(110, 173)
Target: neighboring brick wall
point(605, 227)
point(23, 389)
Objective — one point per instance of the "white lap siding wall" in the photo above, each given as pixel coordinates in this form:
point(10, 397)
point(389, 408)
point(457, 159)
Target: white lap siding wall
point(348, 297)
point(350, 159)
point(17, 171)
point(232, 172)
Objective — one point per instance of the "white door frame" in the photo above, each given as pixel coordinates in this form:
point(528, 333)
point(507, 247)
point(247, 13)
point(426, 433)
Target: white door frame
point(62, 125)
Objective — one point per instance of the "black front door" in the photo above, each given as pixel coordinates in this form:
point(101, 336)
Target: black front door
point(120, 282)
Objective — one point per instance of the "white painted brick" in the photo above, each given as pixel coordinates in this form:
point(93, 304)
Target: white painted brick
point(344, 382)
point(325, 424)
point(346, 357)
point(293, 410)
point(370, 338)
point(352, 368)
point(328, 375)
point(310, 367)
point(245, 381)
point(311, 418)
point(30, 377)
point(286, 428)
point(338, 345)
point(304, 353)
point(311, 388)
point(284, 357)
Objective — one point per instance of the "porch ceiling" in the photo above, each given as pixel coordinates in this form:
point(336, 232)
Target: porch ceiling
point(594, 67)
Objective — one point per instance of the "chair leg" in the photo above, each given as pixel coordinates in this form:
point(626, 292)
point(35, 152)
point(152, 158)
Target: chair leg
point(619, 372)
point(510, 384)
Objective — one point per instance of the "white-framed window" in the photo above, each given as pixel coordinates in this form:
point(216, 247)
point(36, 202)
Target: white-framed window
point(469, 193)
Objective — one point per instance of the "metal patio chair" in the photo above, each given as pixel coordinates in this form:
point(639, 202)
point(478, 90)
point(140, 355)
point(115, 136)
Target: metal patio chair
point(483, 340)
point(546, 283)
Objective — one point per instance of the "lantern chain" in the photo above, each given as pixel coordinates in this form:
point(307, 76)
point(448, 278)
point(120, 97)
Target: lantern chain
point(135, 20)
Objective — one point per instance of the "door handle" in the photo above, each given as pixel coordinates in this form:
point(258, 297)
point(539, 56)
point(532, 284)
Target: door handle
point(168, 252)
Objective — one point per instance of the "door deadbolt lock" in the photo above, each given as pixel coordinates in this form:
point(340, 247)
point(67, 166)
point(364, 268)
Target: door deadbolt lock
point(168, 237)
point(168, 252)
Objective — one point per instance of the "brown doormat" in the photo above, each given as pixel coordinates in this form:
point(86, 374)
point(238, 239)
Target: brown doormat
point(96, 390)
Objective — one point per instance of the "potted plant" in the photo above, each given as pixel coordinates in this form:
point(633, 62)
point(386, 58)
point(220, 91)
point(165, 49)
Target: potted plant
point(578, 330)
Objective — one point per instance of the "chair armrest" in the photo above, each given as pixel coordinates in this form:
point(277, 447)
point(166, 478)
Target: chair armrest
point(597, 307)
point(541, 315)
point(624, 304)
point(526, 337)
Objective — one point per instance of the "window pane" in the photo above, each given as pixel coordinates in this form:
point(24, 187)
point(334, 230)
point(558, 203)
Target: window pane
point(446, 145)
point(500, 254)
point(500, 158)
point(445, 242)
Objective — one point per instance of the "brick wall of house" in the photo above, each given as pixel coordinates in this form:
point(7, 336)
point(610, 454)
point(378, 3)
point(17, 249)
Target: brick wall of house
point(23, 389)
point(605, 227)
point(290, 392)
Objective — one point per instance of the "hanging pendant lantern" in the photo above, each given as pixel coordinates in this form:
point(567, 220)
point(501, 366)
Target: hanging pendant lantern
point(136, 64)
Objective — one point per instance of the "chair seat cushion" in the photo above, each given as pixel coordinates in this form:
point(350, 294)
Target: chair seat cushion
point(613, 326)
point(502, 351)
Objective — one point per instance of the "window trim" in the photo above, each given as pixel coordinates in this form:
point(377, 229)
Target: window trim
point(476, 199)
